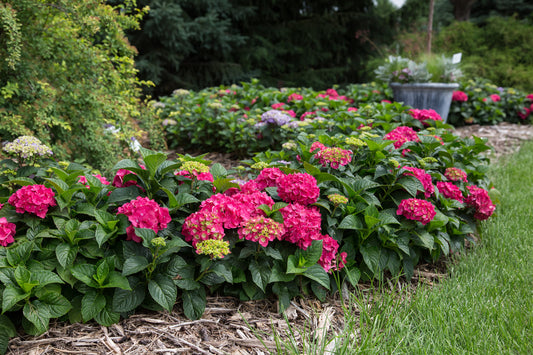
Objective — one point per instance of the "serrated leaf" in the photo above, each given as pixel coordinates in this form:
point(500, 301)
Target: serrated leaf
point(153, 161)
point(58, 184)
point(163, 291)
point(353, 275)
point(115, 279)
point(57, 304)
point(279, 275)
point(45, 277)
point(101, 236)
point(124, 194)
point(318, 274)
point(128, 300)
point(134, 264)
point(91, 304)
point(273, 253)
point(11, 296)
point(194, 303)
point(187, 284)
point(371, 256)
point(218, 171)
point(311, 169)
point(411, 184)
point(185, 198)
point(386, 217)
point(260, 273)
point(351, 222)
point(223, 271)
point(21, 181)
point(84, 273)
point(127, 164)
point(107, 317)
point(292, 265)
point(38, 314)
point(311, 255)
point(424, 239)
point(66, 254)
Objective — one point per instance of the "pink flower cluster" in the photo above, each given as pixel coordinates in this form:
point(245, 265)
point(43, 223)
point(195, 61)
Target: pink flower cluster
point(479, 199)
point(525, 111)
point(331, 94)
point(459, 96)
point(83, 180)
point(328, 259)
point(34, 199)
point(417, 210)
point(402, 134)
point(331, 156)
point(205, 176)
point(144, 213)
point(261, 230)
point(118, 180)
point(7, 232)
point(238, 208)
point(449, 190)
point(425, 115)
point(295, 97)
point(298, 188)
point(493, 97)
point(423, 177)
point(455, 174)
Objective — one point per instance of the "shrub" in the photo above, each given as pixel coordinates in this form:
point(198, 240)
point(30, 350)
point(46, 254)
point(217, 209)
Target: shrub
point(67, 77)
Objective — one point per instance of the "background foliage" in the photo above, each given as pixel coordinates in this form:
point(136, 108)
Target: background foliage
point(67, 73)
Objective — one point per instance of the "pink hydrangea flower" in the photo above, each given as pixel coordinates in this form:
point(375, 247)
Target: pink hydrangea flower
point(423, 177)
point(295, 97)
point(459, 96)
point(261, 229)
point(449, 190)
point(305, 114)
point(495, 97)
point(402, 134)
point(524, 113)
point(479, 199)
point(352, 109)
point(329, 258)
point(455, 174)
point(35, 199)
point(425, 115)
point(202, 225)
point(267, 177)
point(302, 224)
point(118, 180)
point(300, 188)
point(331, 156)
point(278, 106)
point(83, 180)
point(7, 232)
point(144, 213)
point(529, 97)
point(417, 210)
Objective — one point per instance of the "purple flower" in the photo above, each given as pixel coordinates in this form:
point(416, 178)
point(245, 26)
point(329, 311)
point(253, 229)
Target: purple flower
point(275, 117)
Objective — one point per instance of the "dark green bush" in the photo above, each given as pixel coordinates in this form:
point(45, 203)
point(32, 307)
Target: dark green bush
point(68, 77)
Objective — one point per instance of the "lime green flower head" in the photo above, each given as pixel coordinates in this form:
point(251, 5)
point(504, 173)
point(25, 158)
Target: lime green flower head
point(337, 199)
point(159, 242)
point(194, 167)
point(260, 165)
point(215, 248)
point(355, 142)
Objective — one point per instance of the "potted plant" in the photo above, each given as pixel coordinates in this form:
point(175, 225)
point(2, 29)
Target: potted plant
point(425, 84)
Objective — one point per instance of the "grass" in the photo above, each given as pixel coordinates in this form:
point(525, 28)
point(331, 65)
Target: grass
point(484, 307)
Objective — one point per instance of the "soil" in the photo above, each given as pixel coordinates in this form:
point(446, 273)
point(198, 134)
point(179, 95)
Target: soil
point(228, 325)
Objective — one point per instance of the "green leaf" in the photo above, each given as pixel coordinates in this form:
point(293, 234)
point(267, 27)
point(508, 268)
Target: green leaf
point(424, 239)
point(11, 296)
point(57, 304)
point(218, 171)
point(318, 274)
point(371, 221)
point(279, 275)
point(58, 184)
point(7, 331)
point(371, 256)
point(66, 254)
point(319, 291)
point(311, 255)
point(353, 275)
point(84, 273)
point(21, 181)
point(91, 304)
point(194, 303)
point(260, 273)
point(185, 198)
point(134, 264)
point(45, 277)
point(411, 184)
point(124, 194)
point(311, 169)
point(351, 222)
point(153, 161)
point(106, 317)
point(101, 236)
point(163, 291)
point(128, 300)
point(19, 254)
point(187, 284)
point(127, 164)
point(284, 296)
point(387, 217)
point(116, 279)
point(38, 314)
point(223, 271)
point(292, 265)
point(223, 184)
point(273, 253)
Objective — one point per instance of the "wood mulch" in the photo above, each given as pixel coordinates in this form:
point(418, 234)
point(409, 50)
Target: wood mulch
point(229, 325)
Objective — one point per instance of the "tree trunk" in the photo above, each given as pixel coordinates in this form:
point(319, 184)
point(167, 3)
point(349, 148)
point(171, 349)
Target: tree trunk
point(461, 9)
